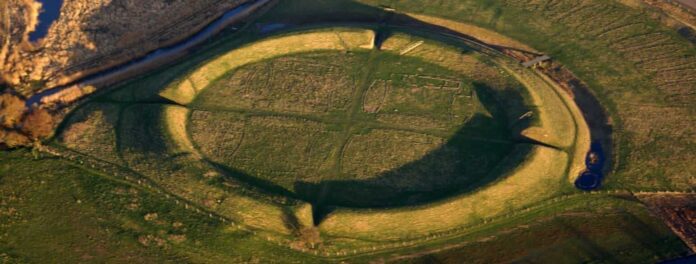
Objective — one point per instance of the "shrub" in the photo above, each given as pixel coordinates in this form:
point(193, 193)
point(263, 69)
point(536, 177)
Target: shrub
point(38, 124)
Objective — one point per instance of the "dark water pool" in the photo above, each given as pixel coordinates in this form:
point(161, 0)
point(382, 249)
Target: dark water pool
point(49, 13)
point(591, 178)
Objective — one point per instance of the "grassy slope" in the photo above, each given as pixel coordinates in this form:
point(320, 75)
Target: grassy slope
point(68, 214)
point(54, 212)
point(42, 220)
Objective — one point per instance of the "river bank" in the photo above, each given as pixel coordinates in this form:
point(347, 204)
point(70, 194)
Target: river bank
point(66, 95)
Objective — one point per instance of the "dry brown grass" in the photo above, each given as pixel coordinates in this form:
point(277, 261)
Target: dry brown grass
point(90, 37)
point(68, 96)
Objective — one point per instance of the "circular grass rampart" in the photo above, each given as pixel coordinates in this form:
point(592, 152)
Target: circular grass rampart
point(554, 124)
point(542, 131)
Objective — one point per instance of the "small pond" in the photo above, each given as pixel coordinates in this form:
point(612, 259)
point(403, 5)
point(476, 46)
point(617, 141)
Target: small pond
point(50, 11)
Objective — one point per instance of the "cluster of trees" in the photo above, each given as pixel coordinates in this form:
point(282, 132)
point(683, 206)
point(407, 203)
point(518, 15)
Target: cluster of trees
point(19, 125)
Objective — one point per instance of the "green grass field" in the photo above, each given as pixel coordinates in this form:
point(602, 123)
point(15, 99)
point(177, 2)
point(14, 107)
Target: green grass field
point(313, 144)
point(75, 214)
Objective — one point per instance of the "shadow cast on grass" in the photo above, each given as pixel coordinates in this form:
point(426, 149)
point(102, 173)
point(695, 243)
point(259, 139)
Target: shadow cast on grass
point(473, 157)
point(461, 164)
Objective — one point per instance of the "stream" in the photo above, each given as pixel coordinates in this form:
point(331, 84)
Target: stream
point(158, 56)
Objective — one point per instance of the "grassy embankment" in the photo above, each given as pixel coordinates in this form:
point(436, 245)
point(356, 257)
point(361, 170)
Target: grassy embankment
point(56, 211)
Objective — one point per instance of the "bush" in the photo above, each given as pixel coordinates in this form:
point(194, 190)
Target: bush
point(38, 124)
